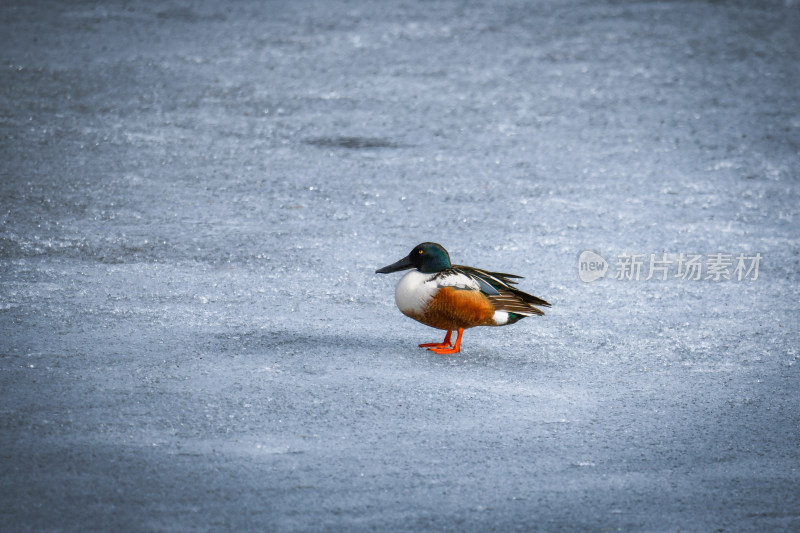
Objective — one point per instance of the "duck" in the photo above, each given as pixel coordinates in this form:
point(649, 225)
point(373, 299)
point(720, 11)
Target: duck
point(452, 297)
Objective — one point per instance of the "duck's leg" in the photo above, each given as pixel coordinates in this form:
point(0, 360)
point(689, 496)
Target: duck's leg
point(444, 344)
point(454, 349)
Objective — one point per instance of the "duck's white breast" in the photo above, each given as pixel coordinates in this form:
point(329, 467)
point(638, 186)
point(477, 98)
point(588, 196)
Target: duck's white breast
point(414, 291)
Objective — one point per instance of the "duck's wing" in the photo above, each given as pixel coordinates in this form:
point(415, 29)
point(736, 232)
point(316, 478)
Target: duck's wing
point(461, 280)
point(513, 303)
point(498, 287)
point(495, 280)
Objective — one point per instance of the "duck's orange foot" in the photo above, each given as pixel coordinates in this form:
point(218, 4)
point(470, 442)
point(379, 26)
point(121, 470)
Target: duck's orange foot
point(444, 351)
point(444, 344)
point(447, 349)
point(431, 345)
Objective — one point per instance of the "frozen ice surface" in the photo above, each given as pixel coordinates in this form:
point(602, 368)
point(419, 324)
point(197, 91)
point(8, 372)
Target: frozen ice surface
point(194, 199)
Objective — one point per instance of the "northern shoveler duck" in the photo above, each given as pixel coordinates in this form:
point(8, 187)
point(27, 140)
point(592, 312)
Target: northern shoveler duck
point(455, 297)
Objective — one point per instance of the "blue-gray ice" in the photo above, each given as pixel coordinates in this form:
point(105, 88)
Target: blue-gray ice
point(194, 197)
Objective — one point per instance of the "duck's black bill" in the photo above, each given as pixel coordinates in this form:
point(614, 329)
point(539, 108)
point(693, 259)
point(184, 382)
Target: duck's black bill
point(403, 264)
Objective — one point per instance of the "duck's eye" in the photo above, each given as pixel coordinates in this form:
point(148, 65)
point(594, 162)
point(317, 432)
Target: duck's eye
point(420, 251)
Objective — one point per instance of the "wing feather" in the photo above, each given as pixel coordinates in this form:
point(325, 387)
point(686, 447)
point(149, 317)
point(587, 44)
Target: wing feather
point(501, 292)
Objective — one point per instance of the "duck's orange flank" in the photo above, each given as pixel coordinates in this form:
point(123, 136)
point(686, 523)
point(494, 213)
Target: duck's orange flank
point(452, 308)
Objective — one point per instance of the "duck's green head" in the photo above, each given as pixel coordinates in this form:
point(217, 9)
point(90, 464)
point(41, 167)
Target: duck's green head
point(427, 257)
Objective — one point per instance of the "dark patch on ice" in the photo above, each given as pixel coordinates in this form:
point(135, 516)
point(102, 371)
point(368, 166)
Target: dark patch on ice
point(277, 337)
point(352, 143)
point(185, 14)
